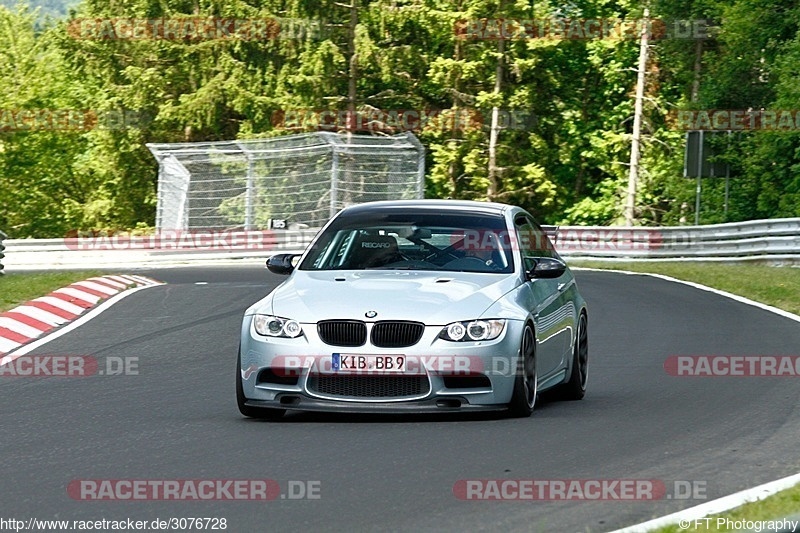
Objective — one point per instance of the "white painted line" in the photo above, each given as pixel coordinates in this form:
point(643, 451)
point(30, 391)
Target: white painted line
point(75, 324)
point(19, 327)
point(715, 506)
point(41, 315)
point(6, 346)
point(61, 304)
point(75, 293)
point(96, 287)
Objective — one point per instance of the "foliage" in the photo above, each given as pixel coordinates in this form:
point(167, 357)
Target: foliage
point(566, 159)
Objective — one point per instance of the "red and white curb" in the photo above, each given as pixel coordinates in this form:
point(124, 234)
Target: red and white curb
point(33, 319)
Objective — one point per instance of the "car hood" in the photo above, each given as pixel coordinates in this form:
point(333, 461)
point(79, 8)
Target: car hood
point(436, 298)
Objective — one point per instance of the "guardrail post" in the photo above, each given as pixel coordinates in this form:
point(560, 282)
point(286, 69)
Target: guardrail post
point(2, 248)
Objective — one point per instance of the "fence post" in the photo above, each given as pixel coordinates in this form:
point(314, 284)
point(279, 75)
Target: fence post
point(334, 181)
point(420, 188)
point(248, 201)
point(2, 248)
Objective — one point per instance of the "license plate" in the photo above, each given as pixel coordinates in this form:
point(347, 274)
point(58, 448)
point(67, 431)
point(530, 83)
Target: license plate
point(369, 364)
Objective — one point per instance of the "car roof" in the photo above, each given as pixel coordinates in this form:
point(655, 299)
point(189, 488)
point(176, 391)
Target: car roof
point(487, 208)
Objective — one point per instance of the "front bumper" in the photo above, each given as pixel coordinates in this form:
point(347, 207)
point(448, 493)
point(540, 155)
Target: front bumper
point(481, 379)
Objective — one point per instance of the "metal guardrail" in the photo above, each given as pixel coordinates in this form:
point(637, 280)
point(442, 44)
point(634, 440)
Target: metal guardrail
point(775, 240)
point(165, 248)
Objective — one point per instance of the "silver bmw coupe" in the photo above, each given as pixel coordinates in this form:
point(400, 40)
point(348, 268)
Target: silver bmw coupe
point(416, 306)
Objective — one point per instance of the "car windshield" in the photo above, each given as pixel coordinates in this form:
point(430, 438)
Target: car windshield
point(413, 241)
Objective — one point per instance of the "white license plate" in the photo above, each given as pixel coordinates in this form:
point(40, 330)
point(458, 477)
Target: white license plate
point(377, 364)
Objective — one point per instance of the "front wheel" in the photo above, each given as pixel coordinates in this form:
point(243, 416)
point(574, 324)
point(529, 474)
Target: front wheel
point(246, 410)
point(525, 384)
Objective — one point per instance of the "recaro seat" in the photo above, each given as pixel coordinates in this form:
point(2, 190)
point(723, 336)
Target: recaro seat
point(371, 251)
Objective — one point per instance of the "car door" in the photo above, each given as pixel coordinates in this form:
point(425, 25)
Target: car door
point(547, 299)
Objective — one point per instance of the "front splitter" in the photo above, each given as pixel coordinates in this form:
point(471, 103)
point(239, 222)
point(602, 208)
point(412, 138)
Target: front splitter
point(298, 402)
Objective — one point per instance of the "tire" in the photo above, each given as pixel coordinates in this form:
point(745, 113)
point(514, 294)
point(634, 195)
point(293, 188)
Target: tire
point(252, 412)
point(575, 388)
point(525, 384)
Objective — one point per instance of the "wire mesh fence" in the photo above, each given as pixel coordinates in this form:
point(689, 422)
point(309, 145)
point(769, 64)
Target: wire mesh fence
point(288, 182)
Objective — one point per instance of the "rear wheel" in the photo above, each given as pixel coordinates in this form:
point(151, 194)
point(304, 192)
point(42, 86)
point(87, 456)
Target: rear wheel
point(247, 410)
point(525, 384)
point(575, 388)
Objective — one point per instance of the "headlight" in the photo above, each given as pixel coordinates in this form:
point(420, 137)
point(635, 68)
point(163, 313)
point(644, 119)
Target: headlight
point(475, 330)
point(275, 326)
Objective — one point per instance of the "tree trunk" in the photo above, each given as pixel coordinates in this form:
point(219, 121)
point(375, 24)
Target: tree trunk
point(633, 175)
point(494, 133)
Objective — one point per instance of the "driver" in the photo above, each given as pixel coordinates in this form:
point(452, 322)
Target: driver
point(486, 249)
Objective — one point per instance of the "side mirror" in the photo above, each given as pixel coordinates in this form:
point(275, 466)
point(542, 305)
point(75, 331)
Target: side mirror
point(282, 263)
point(547, 268)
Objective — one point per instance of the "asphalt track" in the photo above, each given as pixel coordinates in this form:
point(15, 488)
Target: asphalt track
point(177, 419)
